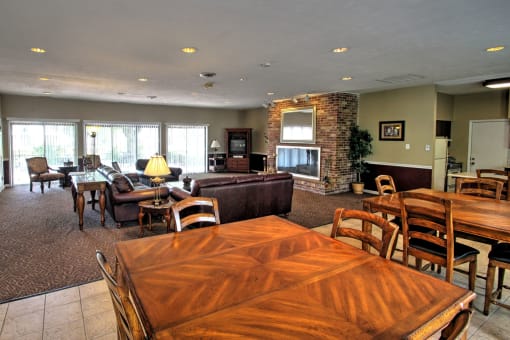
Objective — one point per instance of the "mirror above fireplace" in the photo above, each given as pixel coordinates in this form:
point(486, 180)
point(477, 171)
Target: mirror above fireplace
point(298, 125)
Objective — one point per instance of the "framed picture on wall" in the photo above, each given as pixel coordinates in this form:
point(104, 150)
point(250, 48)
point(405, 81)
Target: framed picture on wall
point(392, 130)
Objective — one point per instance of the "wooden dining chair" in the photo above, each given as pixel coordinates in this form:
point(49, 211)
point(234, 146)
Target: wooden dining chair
point(499, 257)
point(481, 186)
point(195, 211)
point(383, 245)
point(457, 328)
point(128, 323)
point(385, 186)
point(498, 175)
point(438, 246)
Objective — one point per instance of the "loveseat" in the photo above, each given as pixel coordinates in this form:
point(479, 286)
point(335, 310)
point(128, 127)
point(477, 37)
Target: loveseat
point(244, 197)
point(123, 192)
point(141, 164)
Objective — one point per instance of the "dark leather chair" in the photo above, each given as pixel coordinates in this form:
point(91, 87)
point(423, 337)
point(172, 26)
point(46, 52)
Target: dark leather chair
point(39, 171)
point(141, 164)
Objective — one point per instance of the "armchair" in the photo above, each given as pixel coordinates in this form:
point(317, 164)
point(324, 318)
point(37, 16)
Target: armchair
point(39, 171)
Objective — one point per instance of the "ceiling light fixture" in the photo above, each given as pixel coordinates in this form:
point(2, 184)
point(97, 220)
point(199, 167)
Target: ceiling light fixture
point(340, 50)
point(189, 50)
point(242, 79)
point(207, 74)
point(143, 80)
point(347, 78)
point(265, 65)
point(47, 92)
point(208, 85)
point(270, 93)
point(497, 83)
point(495, 49)
point(38, 50)
point(294, 100)
point(44, 78)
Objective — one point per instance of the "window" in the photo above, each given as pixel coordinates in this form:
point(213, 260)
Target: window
point(122, 142)
point(55, 140)
point(187, 147)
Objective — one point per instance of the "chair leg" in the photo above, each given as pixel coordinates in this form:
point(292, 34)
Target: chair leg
point(501, 278)
point(472, 275)
point(489, 286)
point(31, 183)
point(49, 184)
point(42, 187)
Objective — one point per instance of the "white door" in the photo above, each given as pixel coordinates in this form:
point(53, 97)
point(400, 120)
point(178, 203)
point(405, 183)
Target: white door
point(489, 144)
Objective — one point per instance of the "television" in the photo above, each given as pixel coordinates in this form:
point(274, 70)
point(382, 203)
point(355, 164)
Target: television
point(238, 146)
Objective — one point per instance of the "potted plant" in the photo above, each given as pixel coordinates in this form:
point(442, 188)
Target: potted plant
point(360, 146)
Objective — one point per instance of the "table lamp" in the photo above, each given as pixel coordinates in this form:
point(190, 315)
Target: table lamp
point(157, 167)
point(215, 145)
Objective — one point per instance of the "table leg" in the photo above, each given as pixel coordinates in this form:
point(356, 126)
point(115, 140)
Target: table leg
point(167, 218)
point(366, 226)
point(73, 193)
point(81, 205)
point(102, 204)
point(140, 221)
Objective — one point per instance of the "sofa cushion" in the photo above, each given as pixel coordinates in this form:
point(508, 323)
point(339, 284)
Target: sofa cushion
point(276, 177)
point(122, 183)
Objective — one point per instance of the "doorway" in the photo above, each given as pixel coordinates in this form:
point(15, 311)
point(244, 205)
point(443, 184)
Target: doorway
point(488, 144)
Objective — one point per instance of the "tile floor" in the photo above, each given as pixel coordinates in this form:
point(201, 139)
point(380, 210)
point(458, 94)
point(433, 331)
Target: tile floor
point(86, 312)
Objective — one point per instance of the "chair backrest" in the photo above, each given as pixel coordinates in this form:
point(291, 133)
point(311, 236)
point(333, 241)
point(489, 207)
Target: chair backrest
point(385, 184)
point(195, 210)
point(91, 161)
point(116, 166)
point(128, 323)
point(428, 213)
point(483, 187)
point(383, 245)
point(37, 165)
point(499, 175)
point(457, 327)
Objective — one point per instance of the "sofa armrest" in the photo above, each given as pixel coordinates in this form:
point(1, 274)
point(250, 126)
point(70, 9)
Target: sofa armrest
point(178, 194)
point(133, 176)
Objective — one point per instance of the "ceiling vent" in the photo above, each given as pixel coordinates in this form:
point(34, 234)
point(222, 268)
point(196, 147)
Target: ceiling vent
point(401, 79)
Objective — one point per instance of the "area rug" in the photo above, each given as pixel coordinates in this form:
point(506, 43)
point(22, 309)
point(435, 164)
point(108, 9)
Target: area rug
point(42, 248)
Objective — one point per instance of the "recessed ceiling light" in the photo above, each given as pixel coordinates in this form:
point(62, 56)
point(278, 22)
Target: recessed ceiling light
point(143, 79)
point(38, 50)
point(495, 49)
point(340, 50)
point(47, 92)
point(189, 50)
point(242, 79)
point(44, 78)
point(347, 78)
point(497, 83)
point(270, 93)
point(266, 64)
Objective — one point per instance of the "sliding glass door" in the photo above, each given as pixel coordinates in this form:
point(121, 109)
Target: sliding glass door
point(54, 140)
point(187, 147)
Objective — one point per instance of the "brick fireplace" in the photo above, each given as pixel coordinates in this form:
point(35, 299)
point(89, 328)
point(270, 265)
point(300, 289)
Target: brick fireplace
point(335, 112)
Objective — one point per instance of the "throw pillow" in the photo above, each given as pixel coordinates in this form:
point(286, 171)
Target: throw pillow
point(123, 183)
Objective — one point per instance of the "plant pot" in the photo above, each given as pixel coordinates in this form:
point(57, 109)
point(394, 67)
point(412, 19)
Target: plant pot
point(357, 188)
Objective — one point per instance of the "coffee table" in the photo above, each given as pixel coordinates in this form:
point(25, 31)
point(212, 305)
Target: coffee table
point(148, 207)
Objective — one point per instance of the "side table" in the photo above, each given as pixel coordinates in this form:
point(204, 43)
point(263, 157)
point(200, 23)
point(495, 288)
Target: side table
point(66, 181)
point(148, 207)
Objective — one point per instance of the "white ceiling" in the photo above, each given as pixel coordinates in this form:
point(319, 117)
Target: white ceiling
point(97, 49)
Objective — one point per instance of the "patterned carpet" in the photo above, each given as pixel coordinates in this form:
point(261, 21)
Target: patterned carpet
point(42, 248)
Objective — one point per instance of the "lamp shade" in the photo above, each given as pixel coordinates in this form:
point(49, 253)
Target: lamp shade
point(157, 166)
point(215, 144)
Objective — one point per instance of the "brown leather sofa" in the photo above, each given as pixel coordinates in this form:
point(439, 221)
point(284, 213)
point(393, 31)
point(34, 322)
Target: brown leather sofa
point(123, 192)
point(244, 197)
point(140, 168)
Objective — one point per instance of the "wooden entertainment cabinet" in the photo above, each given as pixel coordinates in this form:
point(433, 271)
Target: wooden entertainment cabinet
point(238, 149)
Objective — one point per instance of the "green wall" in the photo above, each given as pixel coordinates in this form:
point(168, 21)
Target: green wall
point(485, 105)
point(416, 106)
point(27, 107)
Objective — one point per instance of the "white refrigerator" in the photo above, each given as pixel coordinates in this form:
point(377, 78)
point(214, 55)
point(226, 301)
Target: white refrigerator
point(440, 162)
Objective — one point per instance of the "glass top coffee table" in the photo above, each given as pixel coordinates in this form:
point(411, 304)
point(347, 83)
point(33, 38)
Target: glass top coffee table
point(148, 207)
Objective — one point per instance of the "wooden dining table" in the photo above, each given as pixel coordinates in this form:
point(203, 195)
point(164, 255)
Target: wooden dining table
point(473, 215)
point(270, 278)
